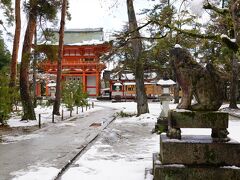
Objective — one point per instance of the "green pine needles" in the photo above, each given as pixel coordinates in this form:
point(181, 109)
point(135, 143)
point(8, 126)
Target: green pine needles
point(73, 95)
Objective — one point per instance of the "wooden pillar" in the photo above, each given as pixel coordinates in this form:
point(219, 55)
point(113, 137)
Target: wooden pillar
point(38, 89)
point(98, 83)
point(84, 80)
point(47, 89)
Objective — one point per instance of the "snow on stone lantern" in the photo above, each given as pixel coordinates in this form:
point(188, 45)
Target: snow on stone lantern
point(118, 86)
point(164, 98)
point(52, 89)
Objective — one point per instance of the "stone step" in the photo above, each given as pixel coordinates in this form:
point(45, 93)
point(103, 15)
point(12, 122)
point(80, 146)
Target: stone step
point(183, 172)
point(197, 150)
point(179, 118)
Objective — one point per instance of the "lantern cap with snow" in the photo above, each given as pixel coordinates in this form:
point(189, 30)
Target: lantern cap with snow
point(118, 86)
point(165, 84)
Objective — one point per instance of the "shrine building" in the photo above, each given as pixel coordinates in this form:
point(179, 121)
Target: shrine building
point(81, 59)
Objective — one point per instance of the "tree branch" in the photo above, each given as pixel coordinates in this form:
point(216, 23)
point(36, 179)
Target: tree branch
point(209, 6)
point(193, 34)
point(223, 39)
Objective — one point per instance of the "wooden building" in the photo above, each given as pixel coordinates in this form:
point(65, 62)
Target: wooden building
point(124, 86)
point(81, 59)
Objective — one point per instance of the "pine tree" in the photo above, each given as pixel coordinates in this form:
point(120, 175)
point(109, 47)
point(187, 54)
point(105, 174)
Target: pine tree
point(5, 103)
point(44, 10)
point(57, 101)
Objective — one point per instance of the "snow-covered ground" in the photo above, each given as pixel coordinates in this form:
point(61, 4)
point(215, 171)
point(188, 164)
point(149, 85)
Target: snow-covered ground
point(46, 120)
point(123, 150)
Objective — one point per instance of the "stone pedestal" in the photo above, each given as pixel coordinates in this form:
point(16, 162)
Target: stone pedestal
point(198, 156)
point(187, 172)
point(197, 150)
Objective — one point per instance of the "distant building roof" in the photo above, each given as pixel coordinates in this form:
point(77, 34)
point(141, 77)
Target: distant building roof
point(87, 30)
point(79, 36)
point(131, 76)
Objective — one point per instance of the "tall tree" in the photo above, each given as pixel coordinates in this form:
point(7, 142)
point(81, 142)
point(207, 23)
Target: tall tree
point(28, 109)
point(6, 6)
point(57, 101)
point(44, 9)
point(4, 54)
point(13, 67)
point(232, 23)
point(136, 45)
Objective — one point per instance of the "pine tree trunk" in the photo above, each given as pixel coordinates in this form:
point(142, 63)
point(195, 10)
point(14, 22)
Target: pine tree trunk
point(57, 101)
point(234, 84)
point(28, 109)
point(176, 93)
point(13, 74)
point(136, 44)
point(34, 66)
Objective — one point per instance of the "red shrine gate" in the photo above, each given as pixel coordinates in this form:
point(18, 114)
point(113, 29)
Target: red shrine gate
point(81, 63)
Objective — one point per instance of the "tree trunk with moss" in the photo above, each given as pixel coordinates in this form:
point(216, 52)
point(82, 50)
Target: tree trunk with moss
point(16, 40)
point(136, 44)
point(28, 109)
point(233, 84)
point(57, 101)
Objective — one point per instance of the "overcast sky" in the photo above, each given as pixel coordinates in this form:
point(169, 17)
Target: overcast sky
point(111, 15)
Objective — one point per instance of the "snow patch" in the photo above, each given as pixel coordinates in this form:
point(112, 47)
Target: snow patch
point(105, 169)
point(12, 139)
point(231, 167)
point(36, 173)
point(111, 136)
point(66, 124)
point(177, 46)
point(19, 123)
point(225, 36)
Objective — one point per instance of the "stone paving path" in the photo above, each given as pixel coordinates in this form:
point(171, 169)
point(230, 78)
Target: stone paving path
point(53, 146)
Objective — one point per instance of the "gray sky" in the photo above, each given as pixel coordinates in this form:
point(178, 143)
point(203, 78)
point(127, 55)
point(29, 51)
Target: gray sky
point(111, 15)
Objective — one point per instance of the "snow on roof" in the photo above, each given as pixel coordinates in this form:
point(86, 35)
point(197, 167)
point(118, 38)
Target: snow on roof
point(150, 75)
point(133, 83)
point(129, 83)
point(127, 76)
point(81, 30)
point(130, 76)
point(117, 84)
point(90, 42)
point(177, 46)
point(166, 82)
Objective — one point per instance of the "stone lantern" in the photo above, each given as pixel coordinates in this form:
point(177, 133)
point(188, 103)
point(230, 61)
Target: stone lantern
point(164, 98)
point(118, 86)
